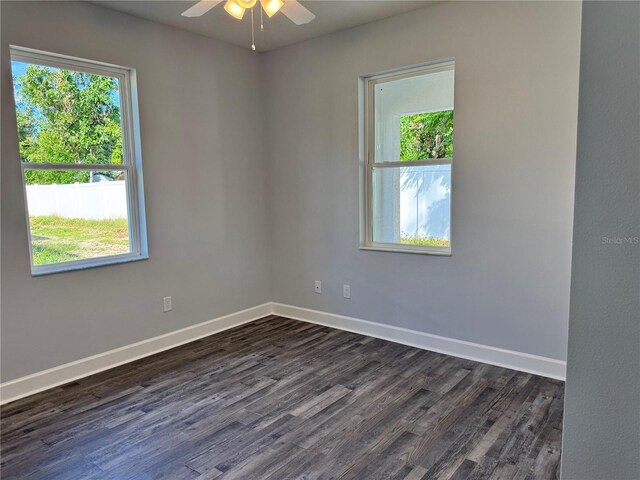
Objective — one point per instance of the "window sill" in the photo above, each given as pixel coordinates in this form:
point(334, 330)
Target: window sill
point(38, 271)
point(441, 252)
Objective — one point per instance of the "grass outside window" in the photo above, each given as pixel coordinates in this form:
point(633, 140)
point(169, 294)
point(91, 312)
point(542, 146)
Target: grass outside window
point(56, 239)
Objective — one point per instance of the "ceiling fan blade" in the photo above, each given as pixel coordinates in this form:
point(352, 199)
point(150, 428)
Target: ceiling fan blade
point(296, 12)
point(200, 8)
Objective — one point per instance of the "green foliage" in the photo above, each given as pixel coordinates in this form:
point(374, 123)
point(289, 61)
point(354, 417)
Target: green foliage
point(56, 239)
point(67, 117)
point(426, 135)
point(423, 240)
point(55, 177)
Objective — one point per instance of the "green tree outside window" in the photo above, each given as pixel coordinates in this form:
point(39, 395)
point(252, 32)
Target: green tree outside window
point(67, 117)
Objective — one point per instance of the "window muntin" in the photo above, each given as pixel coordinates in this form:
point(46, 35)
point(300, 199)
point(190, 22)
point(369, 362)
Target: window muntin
point(409, 149)
point(80, 156)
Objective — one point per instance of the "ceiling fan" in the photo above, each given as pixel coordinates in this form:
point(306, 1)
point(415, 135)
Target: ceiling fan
point(297, 13)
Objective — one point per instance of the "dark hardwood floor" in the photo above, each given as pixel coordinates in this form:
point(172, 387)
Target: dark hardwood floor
point(282, 399)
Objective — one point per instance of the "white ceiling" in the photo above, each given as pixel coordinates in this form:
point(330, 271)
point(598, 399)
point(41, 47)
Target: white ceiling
point(331, 16)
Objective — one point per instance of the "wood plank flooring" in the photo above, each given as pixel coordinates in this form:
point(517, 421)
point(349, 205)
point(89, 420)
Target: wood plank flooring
point(282, 399)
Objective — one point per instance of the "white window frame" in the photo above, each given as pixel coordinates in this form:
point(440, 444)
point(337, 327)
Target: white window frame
point(366, 236)
point(131, 161)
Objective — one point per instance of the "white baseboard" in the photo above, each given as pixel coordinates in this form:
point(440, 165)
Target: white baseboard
point(525, 362)
point(37, 382)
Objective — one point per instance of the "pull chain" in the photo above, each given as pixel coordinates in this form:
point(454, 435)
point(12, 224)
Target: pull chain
point(261, 21)
point(253, 36)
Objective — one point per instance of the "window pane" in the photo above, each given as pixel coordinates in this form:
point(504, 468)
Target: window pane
point(414, 118)
point(66, 116)
point(412, 205)
point(76, 215)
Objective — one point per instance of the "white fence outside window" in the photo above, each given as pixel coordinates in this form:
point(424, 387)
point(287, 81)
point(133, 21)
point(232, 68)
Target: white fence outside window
point(96, 201)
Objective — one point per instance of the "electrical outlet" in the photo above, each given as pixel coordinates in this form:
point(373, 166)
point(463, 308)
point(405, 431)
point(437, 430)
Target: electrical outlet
point(166, 301)
point(318, 287)
point(346, 291)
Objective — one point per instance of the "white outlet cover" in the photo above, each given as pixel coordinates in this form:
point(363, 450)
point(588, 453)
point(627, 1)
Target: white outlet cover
point(166, 302)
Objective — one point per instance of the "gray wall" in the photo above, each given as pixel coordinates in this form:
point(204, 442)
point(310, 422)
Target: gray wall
point(507, 283)
point(204, 184)
point(223, 216)
point(602, 408)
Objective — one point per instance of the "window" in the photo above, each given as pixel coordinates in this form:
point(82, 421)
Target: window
point(408, 155)
point(81, 167)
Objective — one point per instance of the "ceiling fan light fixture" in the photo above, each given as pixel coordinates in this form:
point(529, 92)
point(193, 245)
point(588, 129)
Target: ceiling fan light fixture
point(234, 9)
point(246, 3)
point(271, 7)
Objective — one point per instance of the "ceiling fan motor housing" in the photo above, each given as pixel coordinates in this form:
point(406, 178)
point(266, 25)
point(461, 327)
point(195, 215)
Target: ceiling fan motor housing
point(246, 3)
